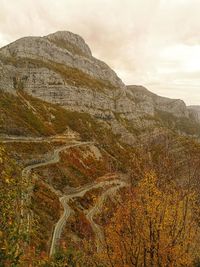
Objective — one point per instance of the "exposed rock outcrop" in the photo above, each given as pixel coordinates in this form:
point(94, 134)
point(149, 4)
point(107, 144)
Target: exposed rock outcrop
point(194, 112)
point(149, 102)
point(59, 68)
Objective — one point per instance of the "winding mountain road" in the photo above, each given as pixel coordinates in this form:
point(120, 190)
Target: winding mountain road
point(112, 186)
point(117, 184)
point(80, 192)
point(55, 158)
point(27, 139)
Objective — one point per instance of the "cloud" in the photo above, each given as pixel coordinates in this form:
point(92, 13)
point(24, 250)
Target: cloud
point(147, 42)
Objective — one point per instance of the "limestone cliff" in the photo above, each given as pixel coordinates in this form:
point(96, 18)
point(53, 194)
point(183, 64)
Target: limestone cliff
point(194, 112)
point(149, 102)
point(59, 68)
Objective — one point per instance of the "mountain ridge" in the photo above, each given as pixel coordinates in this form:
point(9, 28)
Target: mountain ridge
point(84, 145)
point(59, 68)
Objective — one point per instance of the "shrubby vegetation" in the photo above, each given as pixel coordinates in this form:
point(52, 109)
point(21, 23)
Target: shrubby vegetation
point(155, 222)
point(12, 234)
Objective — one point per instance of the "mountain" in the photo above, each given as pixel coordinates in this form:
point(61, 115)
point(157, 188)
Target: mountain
point(60, 69)
point(77, 139)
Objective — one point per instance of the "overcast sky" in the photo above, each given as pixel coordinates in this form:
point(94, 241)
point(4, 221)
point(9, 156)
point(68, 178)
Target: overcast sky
point(155, 43)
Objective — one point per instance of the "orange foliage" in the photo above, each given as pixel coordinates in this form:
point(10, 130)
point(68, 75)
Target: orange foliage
point(154, 227)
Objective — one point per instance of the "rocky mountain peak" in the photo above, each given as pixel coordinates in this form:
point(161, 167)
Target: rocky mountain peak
point(52, 65)
point(70, 41)
point(59, 68)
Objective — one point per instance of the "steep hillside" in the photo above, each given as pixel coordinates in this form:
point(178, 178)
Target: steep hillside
point(11, 187)
point(86, 146)
point(44, 128)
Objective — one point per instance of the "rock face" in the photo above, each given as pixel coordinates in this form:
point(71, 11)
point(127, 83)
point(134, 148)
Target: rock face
point(59, 68)
point(194, 112)
point(149, 102)
point(58, 50)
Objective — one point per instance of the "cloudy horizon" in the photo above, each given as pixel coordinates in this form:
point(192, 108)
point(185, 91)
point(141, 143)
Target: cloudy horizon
point(154, 43)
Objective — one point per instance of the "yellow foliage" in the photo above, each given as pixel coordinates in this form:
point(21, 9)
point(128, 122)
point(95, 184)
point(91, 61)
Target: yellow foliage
point(154, 227)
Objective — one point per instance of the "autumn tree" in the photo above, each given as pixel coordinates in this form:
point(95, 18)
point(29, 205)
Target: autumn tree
point(154, 227)
point(156, 223)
